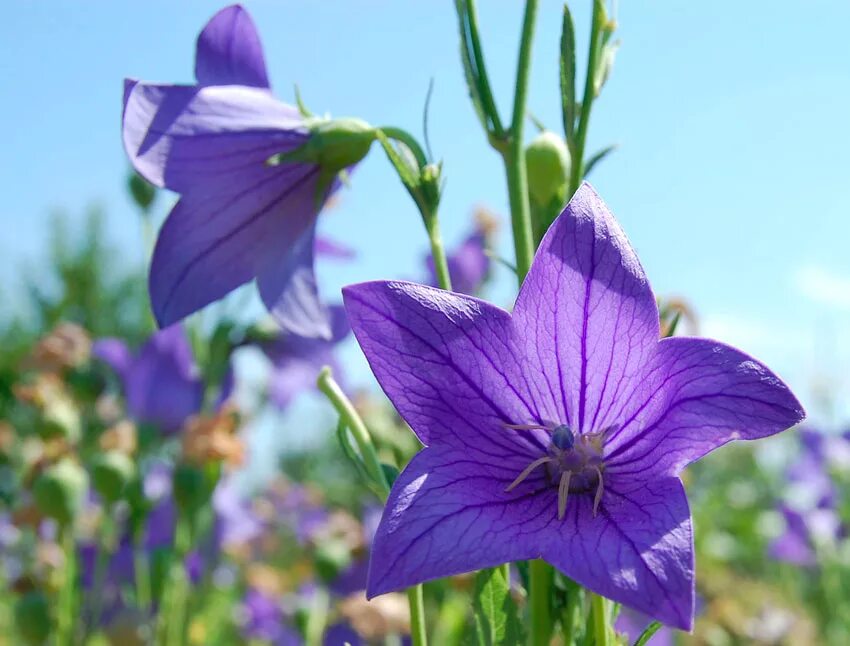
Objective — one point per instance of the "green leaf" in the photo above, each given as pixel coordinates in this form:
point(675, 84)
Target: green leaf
point(647, 634)
point(495, 613)
point(568, 75)
point(597, 157)
point(402, 163)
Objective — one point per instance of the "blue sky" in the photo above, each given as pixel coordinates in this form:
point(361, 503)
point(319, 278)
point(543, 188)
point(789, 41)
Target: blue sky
point(732, 178)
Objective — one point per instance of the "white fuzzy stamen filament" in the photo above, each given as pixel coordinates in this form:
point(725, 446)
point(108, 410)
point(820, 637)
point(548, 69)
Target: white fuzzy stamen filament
point(527, 471)
point(563, 493)
point(600, 486)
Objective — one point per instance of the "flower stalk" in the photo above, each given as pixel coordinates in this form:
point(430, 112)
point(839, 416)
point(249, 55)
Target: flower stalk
point(351, 418)
point(67, 594)
point(599, 615)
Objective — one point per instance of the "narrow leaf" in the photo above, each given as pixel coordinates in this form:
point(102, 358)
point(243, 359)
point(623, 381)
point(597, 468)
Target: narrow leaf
point(597, 157)
point(467, 57)
point(647, 634)
point(568, 75)
point(408, 174)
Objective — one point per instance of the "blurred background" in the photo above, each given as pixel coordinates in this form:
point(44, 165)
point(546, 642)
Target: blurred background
point(730, 178)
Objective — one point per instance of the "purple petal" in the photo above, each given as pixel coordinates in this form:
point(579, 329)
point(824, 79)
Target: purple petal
point(696, 395)
point(162, 387)
point(221, 237)
point(229, 51)
point(289, 290)
point(447, 513)
point(448, 363)
point(115, 353)
point(638, 550)
point(588, 316)
point(332, 249)
point(793, 545)
point(184, 137)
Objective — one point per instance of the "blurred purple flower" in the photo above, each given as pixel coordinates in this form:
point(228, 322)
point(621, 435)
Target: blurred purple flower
point(239, 218)
point(521, 415)
point(469, 265)
point(236, 522)
point(160, 382)
point(794, 545)
point(264, 619)
point(296, 360)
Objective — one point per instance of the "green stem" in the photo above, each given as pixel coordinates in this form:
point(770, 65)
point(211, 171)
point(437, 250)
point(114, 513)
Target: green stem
point(104, 553)
point(317, 619)
point(141, 567)
point(351, 418)
point(600, 620)
point(408, 140)
point(67, 612)
point(438, 253)
point(514, 154)
point(416, 600)
point(355, 424)
point(540, 576)
point(577, 168)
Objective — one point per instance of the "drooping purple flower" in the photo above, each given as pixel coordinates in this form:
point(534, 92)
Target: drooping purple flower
point(296, 360)
point(240, 217)
point(161, 382)
point(469, 264)
point(558, 431)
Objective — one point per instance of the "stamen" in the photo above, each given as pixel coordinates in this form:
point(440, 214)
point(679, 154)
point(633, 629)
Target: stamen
point(527, 427)
point(600, 486)
point(527, 471)
point(563, 493)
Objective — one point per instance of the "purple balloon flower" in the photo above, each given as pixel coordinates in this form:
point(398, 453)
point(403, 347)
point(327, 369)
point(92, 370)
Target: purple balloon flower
point(297, 360)
point(558, 431)
point(239, 218)
point(161, 382)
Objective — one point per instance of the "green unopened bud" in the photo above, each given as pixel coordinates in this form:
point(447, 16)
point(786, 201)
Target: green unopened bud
point(111, 473)
point(548, 162)
point(60, 490)
point(142, 191)
point(32, 617)
point(192, 487)
point(334, 145)
point(331, 558)
point(60, 419)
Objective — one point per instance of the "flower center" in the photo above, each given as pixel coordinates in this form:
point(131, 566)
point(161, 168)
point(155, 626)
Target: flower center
point(573, 463)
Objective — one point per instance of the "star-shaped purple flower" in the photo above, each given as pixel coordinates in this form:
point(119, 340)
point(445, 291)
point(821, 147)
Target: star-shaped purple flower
point(161, 382)
point(557, 431)
point(239, 217)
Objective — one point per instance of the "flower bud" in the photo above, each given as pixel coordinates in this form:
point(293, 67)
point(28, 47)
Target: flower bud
point(142, 191)
point(191, 487)
point(60, 419)
point(32, 617)
point(548, 162)
point(60, 489)
point(334, 144)
point(111, 473)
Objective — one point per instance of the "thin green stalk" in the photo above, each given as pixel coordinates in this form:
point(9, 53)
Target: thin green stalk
point(141, 567)
point(399, 134)
point(438, 253)
point(317, 619)
point(514, 155)
point(416, 600)
point(568, 617)
point(66, 622)
point(577, 169)
point(176, 612)
point(600, 620)
point(352, 419)
point(540, 576)
point(104, 553)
